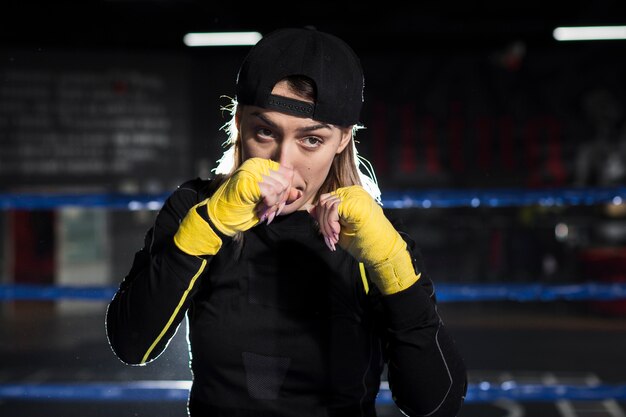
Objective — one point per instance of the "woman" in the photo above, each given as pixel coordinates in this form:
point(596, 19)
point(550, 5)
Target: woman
point(297, 288)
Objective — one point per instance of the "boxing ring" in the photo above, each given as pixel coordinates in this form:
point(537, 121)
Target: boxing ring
point(478, 391)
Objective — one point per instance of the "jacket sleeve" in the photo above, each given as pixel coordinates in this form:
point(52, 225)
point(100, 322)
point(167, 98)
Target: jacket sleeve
point(425, 370)
point(151, 301)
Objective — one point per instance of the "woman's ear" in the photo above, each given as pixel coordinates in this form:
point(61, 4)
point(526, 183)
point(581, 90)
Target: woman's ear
point(346, 136)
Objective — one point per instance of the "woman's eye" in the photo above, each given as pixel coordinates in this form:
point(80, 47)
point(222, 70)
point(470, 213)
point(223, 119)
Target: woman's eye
point(265, 133)
point(312, 142)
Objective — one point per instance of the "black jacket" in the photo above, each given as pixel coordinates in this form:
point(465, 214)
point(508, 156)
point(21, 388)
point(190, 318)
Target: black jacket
point(281, 326)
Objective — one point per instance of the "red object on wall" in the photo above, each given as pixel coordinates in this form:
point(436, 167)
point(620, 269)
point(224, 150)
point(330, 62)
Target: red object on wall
point(32, 242)
point(33, 245)
point(605, 265)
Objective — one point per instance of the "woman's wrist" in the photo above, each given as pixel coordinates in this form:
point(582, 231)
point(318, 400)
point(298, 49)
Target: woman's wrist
point(195, 236)
point(395, 274)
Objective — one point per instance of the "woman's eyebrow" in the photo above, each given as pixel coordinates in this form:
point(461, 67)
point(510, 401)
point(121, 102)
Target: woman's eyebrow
point(301, 129)
point(314, 127)
point(263, 118)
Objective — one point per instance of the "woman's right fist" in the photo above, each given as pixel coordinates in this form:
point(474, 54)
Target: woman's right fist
point(256, 192)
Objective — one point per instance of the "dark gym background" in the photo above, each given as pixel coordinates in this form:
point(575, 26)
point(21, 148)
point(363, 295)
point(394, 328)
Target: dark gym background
point(104, 97)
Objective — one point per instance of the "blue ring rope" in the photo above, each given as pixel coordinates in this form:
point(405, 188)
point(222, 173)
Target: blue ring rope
point(112, 201)
point(162, 391)
point(445, 292)
point(442, 198)
point(504, 197)
point(531, 292)
point(56, 292)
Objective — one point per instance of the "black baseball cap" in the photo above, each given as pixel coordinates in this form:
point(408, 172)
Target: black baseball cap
point(327, 60)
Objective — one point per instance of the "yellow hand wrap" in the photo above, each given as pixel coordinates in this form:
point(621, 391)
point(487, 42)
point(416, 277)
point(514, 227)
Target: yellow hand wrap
point(231, 209)
point(232, 206)
point(195, 236)
point(369, 236)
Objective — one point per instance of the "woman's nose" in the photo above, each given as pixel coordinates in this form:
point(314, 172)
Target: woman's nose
point(285, 155)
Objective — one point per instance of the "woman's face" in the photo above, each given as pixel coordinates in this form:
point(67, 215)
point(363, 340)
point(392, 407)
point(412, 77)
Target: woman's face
point(304, 145)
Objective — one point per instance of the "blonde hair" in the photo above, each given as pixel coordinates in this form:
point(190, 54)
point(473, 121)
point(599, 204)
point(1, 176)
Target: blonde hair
point(348, 167)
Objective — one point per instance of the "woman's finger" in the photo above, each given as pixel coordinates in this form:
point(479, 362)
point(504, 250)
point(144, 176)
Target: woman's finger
point(326, 217)
point(324, 197)
point(282, 180)
point(293, 195)
point(261, 211)
point(321, 212)
point(332, 219)
point(271, 190)
point(286, 173)
point(329, 244)
point(323, 215)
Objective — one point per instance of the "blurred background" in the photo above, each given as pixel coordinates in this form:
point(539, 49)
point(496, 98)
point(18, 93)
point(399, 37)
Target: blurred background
point(104, 98)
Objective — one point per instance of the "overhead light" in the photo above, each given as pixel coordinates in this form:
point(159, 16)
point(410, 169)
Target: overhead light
point(589, 33)
point(222, 38)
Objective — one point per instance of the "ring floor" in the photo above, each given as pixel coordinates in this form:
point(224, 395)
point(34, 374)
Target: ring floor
point(47, 342)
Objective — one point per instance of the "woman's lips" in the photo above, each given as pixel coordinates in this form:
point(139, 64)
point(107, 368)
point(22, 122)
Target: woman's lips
point(294, 194)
